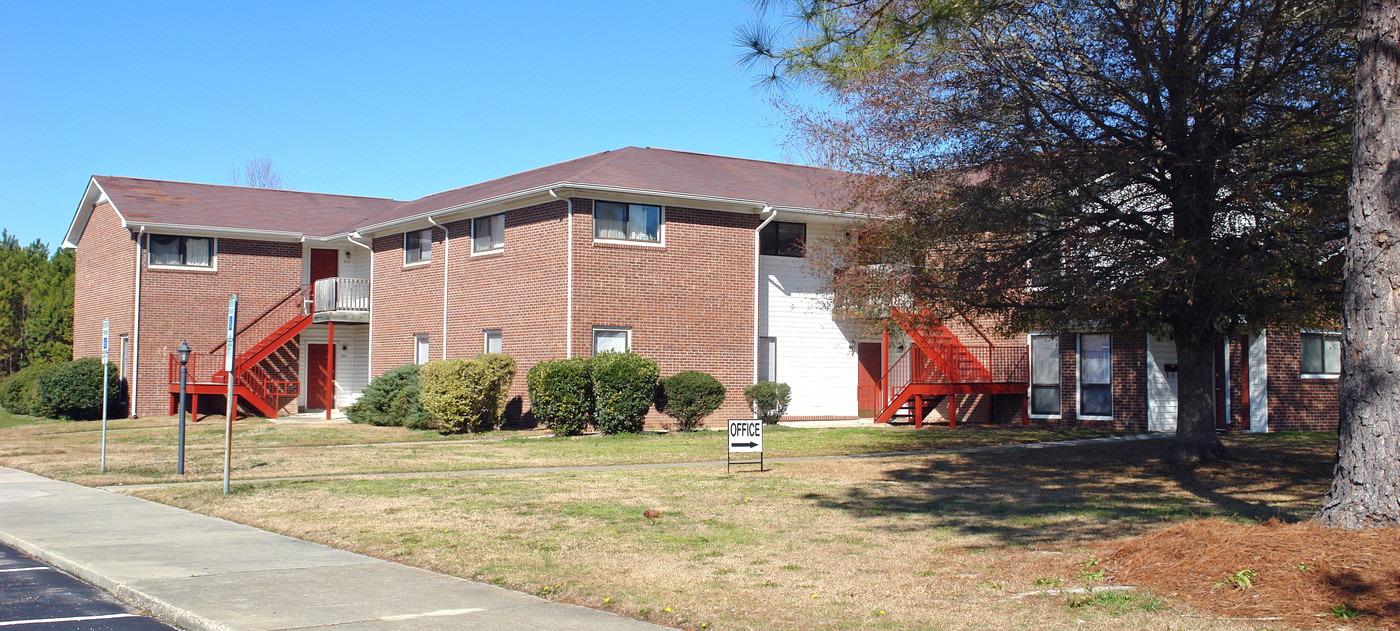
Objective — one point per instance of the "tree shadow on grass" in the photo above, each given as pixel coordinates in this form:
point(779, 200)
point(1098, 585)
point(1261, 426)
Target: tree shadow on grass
point(1088, 492)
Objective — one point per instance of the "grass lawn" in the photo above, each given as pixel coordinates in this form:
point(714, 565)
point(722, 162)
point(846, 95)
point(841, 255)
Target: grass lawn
point(143, 451)
point(937, 541)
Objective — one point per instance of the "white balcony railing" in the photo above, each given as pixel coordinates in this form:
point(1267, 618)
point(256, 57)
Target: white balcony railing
point(341, 294)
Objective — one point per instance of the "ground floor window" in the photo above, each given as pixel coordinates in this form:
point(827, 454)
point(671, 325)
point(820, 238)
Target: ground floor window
point(611, 340)
point(767, 359)
point(1322, 354)
point(493, 341)
point(420, 348)
point(1095, 375)
point(1045, 375)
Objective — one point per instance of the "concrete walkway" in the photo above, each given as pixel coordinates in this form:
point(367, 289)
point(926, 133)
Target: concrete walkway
point(199, 572)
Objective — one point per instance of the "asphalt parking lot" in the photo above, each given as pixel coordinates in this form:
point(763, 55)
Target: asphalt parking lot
point(36, 597)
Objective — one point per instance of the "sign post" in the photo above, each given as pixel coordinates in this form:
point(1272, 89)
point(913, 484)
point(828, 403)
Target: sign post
point(745, 436)
point(228, 370)
point(106, 335)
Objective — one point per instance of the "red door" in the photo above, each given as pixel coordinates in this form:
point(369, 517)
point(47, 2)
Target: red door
point(318, 368)
point(324, 264)
point(868, 378)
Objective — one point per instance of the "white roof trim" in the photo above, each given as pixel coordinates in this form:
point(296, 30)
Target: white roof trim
point(212, 231)
point(92, 196)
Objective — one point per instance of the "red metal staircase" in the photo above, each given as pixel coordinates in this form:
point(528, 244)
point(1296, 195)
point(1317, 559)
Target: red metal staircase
point(253, 384)
point(938, 366)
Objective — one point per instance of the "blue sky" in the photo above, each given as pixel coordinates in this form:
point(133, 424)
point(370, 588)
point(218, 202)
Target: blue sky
point(388, 100)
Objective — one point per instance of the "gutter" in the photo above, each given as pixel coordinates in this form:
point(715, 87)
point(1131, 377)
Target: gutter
point(758, 279)
point(136, 330)
point(369, 355)
point(446, 266)
point(568, 279)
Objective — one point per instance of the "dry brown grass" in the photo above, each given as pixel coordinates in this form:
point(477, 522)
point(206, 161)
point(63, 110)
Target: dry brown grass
point(927, 542)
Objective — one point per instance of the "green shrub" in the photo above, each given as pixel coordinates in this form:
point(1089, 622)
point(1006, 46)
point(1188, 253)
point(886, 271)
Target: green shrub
point(689, 397)
point(74, 391)
point(19, 393)
point(391, 399)
point(466, 394)
point(561, 395)
point(769, 400)
point(624, 385)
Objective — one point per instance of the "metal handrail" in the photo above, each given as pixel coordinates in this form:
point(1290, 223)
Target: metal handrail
point(300, 290)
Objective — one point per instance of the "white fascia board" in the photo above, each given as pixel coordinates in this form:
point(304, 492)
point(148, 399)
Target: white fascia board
point(214, 231)
point(835, 215)
point(92, 196)
point(516, 199)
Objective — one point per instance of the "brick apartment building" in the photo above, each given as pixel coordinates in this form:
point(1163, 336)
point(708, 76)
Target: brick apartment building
point(692, 260)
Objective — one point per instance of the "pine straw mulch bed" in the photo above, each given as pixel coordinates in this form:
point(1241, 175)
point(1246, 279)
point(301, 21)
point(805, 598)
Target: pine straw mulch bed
point(1302, 571)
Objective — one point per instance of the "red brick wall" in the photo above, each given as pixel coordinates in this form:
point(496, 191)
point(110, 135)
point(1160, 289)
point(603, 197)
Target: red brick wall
point(519, 290)
point(1297, 404)
point(690, 304)
point(192, 304)
point(407, 300)
point(104, 285)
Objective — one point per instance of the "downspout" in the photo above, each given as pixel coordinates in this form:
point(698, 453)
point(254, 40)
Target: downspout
point(136, 329)
point(758, 280)
point(569, 277)
point(369, 353)
point(446, 265)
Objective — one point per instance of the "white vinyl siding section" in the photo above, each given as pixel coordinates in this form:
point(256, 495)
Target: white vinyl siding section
point(1259, 383)
point(351, 362)
point(815, 358)
point(1161, 385)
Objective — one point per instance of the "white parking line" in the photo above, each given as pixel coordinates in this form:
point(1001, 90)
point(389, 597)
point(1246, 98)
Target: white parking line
point(23, 569)
point(15, 623)
point(440, 612)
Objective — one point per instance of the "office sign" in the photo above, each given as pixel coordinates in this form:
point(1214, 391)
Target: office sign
point(745, 436)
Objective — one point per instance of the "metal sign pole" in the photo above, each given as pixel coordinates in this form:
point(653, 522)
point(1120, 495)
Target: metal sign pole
point(106, 335)
point(228, 369)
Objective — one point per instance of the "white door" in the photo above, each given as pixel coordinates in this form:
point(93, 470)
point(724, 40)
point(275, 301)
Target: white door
point(1161, 385)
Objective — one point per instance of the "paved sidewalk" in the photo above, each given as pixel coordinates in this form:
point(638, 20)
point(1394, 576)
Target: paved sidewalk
point(200, 572)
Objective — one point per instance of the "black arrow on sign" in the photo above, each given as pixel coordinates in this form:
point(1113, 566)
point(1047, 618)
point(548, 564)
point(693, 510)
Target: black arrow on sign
point(743, 444)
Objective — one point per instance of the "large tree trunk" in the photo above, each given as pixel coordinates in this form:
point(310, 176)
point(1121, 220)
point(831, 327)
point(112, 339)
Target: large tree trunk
point(1196, 440)
point(1366, 484)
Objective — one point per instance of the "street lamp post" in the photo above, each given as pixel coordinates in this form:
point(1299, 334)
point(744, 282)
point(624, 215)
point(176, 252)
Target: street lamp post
point(184, 353)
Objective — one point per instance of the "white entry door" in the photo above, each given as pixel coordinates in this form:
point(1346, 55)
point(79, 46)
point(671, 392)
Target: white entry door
point(1161, 385)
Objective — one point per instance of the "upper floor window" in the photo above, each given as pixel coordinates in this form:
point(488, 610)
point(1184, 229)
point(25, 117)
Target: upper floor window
point(626, 222)
point(418, 246)
point(182, 251)
point(489, 233)
point(783, 238)
point(1322, 354)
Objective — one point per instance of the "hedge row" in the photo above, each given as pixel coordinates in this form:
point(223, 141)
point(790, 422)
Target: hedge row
point(610, 391)
point(71, 390)
point(450, 395)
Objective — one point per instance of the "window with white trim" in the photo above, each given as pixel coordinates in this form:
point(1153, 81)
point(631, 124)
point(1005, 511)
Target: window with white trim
point(767, 359)
point(1322, 354)
point(611, 340)
point(420, 348)
point(1095, 375)
point(626, 222)
point(783, 238)
point(493, 341)
point(418, 246)
point(1045, 375)
point(177, 251)
point(489, 233)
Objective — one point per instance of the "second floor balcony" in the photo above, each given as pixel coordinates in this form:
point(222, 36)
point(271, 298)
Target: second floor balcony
point(340, 299)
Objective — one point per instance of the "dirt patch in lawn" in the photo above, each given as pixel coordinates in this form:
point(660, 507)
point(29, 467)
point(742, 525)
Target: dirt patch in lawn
point(1302, 573)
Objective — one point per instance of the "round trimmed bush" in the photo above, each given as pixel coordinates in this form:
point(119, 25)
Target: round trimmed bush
point(392, 399)
point(466, 394)
point(624, 385)
point(74, 391)
point(769, 400)
point(561, 395)
point(690, 396)
point(19, 393)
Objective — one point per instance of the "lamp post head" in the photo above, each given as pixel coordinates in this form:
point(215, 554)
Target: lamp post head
point(184, 352)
